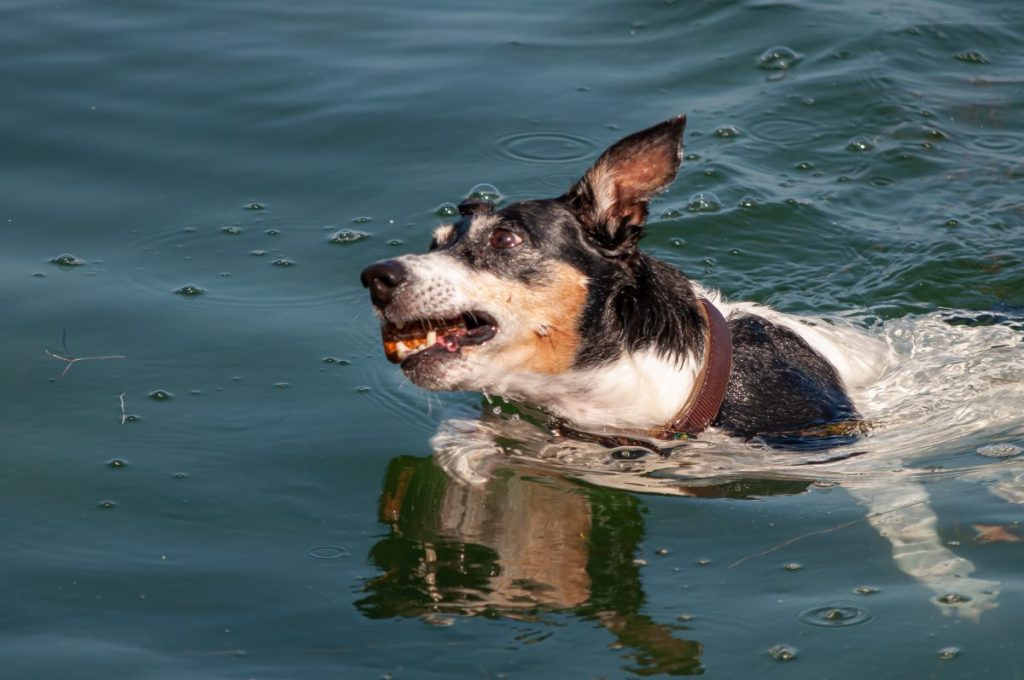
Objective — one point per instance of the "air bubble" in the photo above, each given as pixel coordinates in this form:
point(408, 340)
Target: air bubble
point(835, 616)
point(116, 463)
point(160, 395)
point(805, 165)
point(972, 57)
point(704, 202)
point(255, 206)
point(949, 653)
point(727, 132)
point(272, 232)
point(446, 210)
point(395, 242)
point(485, 192)
point(281, 385)
point(671, 213)
point(234, 231)
point(782, 653)
point(106, 504)
point(346, 236)
point(859, 143)
point(793, 566)
point(779, 58)
point(866, 590)
point(677, 242)
point(190, 290)
point(953, 598)
point(67, 260)
point(748, 203)
point(283, 262)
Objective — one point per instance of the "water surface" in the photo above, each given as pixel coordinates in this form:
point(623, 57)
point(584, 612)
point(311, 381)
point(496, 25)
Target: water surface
point(252, 491)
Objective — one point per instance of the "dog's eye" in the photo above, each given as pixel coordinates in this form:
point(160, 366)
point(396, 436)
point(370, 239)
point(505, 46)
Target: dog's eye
point(505, 238)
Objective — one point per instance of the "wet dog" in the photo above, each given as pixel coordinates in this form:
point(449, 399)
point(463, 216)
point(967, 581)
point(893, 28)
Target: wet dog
point(552, 302)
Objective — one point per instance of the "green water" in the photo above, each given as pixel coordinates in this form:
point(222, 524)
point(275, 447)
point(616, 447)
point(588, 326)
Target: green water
point(246, 488)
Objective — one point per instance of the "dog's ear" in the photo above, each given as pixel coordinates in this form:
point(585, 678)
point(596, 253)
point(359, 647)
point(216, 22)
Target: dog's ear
point(611, 198)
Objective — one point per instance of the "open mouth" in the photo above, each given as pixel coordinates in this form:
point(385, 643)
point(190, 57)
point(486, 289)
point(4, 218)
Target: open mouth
point(443, 335)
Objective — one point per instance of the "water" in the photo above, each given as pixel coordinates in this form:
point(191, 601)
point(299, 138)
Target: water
point(231, 481)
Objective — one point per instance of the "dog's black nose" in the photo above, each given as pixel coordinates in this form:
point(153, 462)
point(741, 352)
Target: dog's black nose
point(382, 278)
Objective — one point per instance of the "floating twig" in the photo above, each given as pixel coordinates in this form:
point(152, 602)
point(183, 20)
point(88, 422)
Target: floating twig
point(71, 360)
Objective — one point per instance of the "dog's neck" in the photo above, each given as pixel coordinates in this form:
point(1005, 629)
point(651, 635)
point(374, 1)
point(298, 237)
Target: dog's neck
point(637, 390)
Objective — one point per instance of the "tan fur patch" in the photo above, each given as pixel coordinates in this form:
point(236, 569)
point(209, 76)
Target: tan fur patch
point(544, 337)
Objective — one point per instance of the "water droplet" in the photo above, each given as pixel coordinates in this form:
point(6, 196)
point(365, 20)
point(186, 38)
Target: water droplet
point(160, 395)
point(727, 132)
point(106, 505)
point(748, 203)
point(190, 290)
point(972, 57)
point(677, 242)
point(67, 260)
point(361, 219)
point(859, 143)
point(692, 157)
point(446, 210)
point(255, 206)
point(234, 231)
point(779, 58)
point(703, 202)
point(782, 653)
point(671, 213)
point(345, 236)
point(805, 165)
point(792, 566)
point(116, 463)
point(866, 590)
point(949, 653)
point(281, 385)
point(999, 450)
point(272, 232)
point(395, 242)
point(835, 616)
point(327, 552)
point(485, 192)
point(132, 418)
point(181, 475)
point(284, 262)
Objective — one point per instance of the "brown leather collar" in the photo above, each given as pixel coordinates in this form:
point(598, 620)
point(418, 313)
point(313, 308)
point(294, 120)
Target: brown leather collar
point(708, 392)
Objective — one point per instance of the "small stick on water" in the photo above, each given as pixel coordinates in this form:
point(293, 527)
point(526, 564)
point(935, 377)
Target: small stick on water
point(124, 416)
point(71, 360)
point(822, 531)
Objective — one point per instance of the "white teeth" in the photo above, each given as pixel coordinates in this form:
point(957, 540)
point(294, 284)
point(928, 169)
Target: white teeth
point(402, 349)
point(431, 338)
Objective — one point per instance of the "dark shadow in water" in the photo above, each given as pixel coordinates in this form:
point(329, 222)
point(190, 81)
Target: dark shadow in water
point(528, 543)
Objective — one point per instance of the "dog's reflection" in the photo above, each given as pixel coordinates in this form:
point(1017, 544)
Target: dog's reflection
point(530, 542)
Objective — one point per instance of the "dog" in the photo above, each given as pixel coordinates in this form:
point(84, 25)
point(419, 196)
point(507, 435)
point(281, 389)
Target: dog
point(552, 302)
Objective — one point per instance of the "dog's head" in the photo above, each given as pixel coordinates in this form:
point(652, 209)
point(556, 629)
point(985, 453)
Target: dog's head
point(534, 290)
